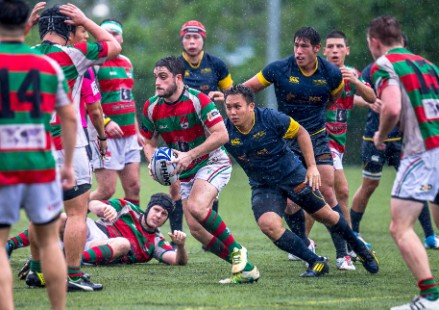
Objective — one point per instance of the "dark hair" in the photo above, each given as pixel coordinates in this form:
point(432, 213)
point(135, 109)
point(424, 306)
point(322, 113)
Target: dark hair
point(53, 20)
point(111, 20)
point(308, 33)
point(13, 14)
point(386, 29)
point(405, 39)
point(161, 199)
point(247, 93)
point(336, 34)
point(174, 64)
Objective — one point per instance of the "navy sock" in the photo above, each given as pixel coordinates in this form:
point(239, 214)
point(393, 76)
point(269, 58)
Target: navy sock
point(296, 222)
point(215, 205)
point(342, 229)
point(176, 217)
point(337, 238)
point(291, 243)
point(425, 220)
point(356, 219)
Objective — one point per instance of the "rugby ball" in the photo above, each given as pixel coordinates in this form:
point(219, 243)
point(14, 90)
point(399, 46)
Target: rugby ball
point(161, 169)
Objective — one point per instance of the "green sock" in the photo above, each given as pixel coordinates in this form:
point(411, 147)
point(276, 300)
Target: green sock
point(429, 289)
point(35, 266)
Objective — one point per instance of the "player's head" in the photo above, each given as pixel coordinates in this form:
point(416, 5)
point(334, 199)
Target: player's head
point(80, 35)
point(306, 46)
point(308, 33)
point(159, 208)
point(192, 34)
point(336, 47)
point(53, 21)
point(383, 33)
point(114, 27)
point(13, 17)
point(239, 101)
point(169, 75)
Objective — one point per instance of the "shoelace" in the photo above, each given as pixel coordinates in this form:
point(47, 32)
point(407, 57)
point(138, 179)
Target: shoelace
point(236, 257)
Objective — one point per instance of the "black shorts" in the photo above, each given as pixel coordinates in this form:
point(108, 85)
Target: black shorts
point(374, 159)
point(76, 191)
point(273, 197)
point(320, 144)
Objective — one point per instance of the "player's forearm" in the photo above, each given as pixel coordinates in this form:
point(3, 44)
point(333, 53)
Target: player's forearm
point(216, 139)
point(181, 257)
point(305, 144)
point(390, 110)
point(366, 92)
point(96, 116)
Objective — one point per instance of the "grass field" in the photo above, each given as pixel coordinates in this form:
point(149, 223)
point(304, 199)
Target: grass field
point(157, 286)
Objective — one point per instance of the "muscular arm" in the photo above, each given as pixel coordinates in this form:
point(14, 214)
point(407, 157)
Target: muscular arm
point(101, 35)
point(366, 92)
point(254, 84)
point(218, 136)
point(333, 98)
point(389, 116)
point(68, 129)
point(149, 147)
point(305, 144)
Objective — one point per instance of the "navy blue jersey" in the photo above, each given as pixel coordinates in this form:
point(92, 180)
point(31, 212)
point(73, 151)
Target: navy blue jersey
point(263, 153)
point(373, 118)
point(303, 97)
point(210, 75)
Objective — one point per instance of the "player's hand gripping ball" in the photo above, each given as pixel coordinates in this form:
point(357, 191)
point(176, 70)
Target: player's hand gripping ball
point(161, 168)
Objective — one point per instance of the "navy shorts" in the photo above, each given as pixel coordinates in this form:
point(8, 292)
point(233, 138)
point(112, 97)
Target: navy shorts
point(320, 144)
point(374, 159)
point(273, 197)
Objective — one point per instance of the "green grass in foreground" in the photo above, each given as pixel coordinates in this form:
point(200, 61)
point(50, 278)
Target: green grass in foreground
point(157, 286)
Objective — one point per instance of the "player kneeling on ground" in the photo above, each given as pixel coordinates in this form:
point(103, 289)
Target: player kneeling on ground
point(275, 174)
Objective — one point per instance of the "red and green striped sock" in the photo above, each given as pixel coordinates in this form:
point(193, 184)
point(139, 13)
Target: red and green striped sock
point(98, 254)
point(19, 241)
point(214, 224)
point(74, 273)
point(429, 289)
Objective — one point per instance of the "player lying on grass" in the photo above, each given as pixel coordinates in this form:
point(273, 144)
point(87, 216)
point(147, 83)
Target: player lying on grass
point(275, 174)
point(124, 234)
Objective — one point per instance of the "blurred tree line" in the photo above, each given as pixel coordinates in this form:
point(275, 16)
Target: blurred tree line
point(237, 33)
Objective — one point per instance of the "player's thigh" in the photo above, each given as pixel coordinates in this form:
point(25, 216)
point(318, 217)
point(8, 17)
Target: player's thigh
point(106, 178)
point(130, 174)
point(266, 199)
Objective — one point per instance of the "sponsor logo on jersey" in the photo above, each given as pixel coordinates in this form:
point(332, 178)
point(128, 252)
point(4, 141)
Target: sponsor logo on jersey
point(206, 70)
point(259, 135)
point(235, 141)
point(213, 115)
point(375, 158)
point(319, 82)
point(294, 79)
point(22, 136)
point(315, 98)
point(187, 73)
point(263, 152)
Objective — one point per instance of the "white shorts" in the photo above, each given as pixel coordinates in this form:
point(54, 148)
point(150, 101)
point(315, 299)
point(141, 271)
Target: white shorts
point(81, 164)
point(418, 177)
point(42, 202)
point(337, 159)
point(93, 233)
point(217, 173)
point(121, 152)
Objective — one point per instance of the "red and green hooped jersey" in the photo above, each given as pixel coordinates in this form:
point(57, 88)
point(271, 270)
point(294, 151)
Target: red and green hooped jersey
point(31, 87)
point(183, 125)
point(74, 60)
point(419, 82)
point(338, 115)
point(144, 245)
point(116, 83)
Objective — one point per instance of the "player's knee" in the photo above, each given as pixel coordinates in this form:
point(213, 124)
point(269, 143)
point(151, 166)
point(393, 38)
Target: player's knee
point(270, 229)
point(106, 192)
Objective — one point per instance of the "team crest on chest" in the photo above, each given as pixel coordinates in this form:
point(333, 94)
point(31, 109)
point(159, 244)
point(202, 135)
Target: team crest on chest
point(206, 70)
point(235, 141)
point(184, 122)
point(259, 135)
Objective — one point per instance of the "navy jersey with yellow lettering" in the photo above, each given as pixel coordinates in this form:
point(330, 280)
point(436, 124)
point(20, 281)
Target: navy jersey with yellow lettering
point(301, 96)
point(210, 75)
point(263, 153)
